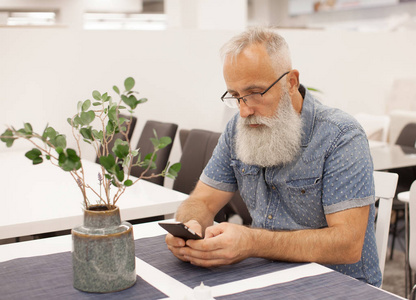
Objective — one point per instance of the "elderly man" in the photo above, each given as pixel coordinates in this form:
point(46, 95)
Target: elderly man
point(303, 169)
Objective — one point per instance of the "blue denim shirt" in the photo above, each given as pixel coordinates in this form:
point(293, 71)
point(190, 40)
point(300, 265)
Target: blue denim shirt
point(333, 172)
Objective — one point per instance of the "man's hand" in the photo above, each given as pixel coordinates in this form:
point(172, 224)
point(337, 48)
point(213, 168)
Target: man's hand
point(223, 244)
point(175, 243)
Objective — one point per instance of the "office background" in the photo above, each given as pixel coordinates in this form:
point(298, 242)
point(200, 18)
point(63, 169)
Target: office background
point(353, 56)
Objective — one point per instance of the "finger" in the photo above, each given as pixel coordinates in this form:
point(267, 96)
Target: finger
point(174, 241)
point(176, 252)
point(194, 226)
point(206, 263)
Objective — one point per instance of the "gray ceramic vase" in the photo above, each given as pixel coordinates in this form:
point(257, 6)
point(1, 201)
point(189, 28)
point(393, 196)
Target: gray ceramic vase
point(103, 255)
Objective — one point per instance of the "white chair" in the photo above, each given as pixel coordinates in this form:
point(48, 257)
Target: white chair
point(376, 127)
point(385, 188)
point(410, 199)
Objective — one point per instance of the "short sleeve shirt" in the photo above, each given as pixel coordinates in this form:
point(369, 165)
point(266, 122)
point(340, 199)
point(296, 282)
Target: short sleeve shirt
point(332, 172)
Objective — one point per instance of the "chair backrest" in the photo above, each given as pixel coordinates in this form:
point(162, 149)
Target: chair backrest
point(407, 136)
point(197, 148)
point(385, 187)
point(196, 152)
point(412, 227)
point(145, 146)
point(120, 135)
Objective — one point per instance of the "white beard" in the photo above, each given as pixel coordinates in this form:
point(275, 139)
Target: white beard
point(276, 142)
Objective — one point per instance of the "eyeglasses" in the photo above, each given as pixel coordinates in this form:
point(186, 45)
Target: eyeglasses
point(250, 100)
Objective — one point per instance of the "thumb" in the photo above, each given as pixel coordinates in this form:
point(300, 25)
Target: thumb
point(213, 231)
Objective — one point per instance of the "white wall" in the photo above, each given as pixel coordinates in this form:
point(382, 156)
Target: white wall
point(45, 72)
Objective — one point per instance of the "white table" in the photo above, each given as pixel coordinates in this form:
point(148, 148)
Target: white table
point(44, 198)
point(162, 281)
point(392, 156)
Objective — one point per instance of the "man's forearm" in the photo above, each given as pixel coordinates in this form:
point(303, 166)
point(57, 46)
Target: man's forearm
point(326, 246)
point(192, 209)
point(340, 243)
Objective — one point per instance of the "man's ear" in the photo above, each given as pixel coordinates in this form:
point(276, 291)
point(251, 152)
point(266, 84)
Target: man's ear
point(293, 81)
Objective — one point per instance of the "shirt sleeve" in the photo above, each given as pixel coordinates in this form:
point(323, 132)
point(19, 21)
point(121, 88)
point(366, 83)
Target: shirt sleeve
point(348, 173)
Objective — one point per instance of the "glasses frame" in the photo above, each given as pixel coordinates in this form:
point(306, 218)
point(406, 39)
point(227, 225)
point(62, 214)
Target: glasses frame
point(258, 93)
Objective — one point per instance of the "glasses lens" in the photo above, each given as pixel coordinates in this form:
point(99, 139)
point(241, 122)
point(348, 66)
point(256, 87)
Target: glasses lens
point(231, 102)
point(253, 99)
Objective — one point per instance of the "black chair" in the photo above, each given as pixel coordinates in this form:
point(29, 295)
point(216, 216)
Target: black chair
point(120, 135)
point(197, 148)
point(145, 146)
point(407, 175)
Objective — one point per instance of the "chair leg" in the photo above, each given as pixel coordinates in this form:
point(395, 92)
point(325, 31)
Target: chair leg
point(413, 293)
point(394, 231)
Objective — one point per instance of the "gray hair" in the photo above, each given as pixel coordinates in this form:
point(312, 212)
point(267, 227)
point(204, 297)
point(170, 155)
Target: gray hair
point(275, 44)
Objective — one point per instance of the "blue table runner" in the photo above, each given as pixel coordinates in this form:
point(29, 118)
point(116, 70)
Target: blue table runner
point(50, 277)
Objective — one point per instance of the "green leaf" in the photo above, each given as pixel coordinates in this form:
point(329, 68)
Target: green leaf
point(120, 175)
point(37, 160)
point(109, 163)
point(109, 128)
point(79, 106)
point(108, 176)
point(129, 83)
point(69, 121)
point(126, 161)
point(176, 167)
point(34, 153)
point(48, 157)
point(60, 141)
point(314, 90)
point(147, 161)
point(61, 158)
point(121, 151)
point(164, 141)
point(116, 89)
point(77, 121)
point(98, 135)
point(86, 105)
point(86, 133)
point(78, 165)
point(87, 117)
point(104, 97)
point(112, 113)
point(72, 155)
point(96, 95)
point(142, 100)
point(9, 141)
point(97, 104)
point(49, 133)
point(28, 128)
point(131, 101)
point(134, 153)
point(128, 182)
point(68, 165)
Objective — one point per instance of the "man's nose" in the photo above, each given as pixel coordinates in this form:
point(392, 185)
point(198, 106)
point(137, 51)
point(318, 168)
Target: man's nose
point(245, 110)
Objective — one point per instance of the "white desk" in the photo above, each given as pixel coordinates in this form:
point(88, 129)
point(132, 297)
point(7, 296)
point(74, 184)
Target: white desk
point(44, 198)
point(392, 156)
point(176, 289)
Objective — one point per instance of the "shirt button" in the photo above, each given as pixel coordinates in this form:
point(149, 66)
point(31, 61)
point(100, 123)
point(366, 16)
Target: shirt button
point(273, 187)
point(243, 170)
point(270, 217)
point(302, 191)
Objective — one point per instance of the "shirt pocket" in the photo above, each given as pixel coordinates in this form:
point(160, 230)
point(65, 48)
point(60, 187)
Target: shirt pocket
point(248, 177)
point(303, 198)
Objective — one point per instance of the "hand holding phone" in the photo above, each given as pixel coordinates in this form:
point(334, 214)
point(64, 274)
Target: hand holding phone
point(180, 230)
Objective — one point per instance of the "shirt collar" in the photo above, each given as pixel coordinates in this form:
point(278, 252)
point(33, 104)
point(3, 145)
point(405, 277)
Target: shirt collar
point(307, 115)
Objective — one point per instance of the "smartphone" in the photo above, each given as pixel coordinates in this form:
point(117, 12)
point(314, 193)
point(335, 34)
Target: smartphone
point(179, 229)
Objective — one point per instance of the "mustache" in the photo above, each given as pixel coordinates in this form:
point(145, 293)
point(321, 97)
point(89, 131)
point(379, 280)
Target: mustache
point(251, 120)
